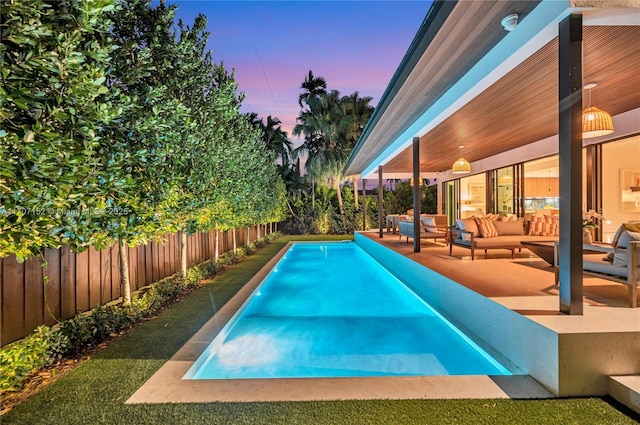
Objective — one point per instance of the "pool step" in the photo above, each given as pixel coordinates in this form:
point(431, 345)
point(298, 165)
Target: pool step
point(626, 389)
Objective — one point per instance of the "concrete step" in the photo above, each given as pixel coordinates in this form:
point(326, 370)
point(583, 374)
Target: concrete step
point(626, 389)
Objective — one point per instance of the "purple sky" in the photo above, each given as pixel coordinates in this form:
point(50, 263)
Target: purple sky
point(354, 45)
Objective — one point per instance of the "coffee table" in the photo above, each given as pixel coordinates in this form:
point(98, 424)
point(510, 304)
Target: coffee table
point(543, 249)
point(548, 251)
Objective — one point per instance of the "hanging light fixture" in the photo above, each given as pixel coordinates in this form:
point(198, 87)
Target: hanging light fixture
point(461, 166)
point(595, 121)
point(505, 179)
point(411, 182)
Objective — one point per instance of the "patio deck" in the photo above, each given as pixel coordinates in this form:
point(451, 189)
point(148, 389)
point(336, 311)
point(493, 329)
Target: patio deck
point(502, 279)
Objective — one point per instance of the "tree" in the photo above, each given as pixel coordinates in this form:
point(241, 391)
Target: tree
point(331, 126)
point(52, 104)
point(313, 87)
point(360, 112)
point(273, 136)
point(144, 140)
point(209, 93)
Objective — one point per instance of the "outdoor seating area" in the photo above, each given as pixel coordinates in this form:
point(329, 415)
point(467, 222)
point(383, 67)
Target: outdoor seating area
point(487, 233)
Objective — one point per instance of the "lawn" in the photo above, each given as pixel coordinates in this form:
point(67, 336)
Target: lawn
point(95, 392)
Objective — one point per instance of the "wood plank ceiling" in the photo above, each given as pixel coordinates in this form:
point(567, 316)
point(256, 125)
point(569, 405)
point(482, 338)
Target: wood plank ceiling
point(522, 107)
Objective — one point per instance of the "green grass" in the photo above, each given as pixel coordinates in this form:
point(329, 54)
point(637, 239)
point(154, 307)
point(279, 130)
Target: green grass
point(95, 392)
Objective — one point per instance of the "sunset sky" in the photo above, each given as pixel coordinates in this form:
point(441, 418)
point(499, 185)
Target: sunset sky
point(354, 45)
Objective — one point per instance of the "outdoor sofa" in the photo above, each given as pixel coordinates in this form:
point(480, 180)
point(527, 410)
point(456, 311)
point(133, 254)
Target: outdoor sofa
point(431, 227)
point(493, 232)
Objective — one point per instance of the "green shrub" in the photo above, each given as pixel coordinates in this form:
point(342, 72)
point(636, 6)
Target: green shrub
point(169, 289)
point(79, 330)
point(228, 259)
point(241, 251)
point(209, 269)
point(43, 347)
point(143, 305)
point(108, 320)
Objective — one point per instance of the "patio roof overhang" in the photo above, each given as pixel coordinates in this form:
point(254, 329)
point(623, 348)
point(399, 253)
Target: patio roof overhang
point(467, 81)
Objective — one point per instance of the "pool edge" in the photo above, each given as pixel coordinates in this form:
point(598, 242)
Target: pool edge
point(167, 386)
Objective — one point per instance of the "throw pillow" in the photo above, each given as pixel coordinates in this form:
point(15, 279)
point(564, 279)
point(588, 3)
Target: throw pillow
point(428, 221)
point(515, 228)
point(626, 237)
point(551, 225)
point(536, 226)
point(469, 225)
point(544, 226)
point(632, 227)
point(486, 227)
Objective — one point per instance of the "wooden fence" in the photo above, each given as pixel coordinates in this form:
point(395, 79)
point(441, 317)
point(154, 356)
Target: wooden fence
point(80, 282)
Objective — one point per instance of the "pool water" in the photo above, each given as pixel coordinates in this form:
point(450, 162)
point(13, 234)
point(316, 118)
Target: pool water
point(330, 310)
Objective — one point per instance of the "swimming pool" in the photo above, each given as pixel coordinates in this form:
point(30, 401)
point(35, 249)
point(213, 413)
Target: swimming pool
point(330, 310)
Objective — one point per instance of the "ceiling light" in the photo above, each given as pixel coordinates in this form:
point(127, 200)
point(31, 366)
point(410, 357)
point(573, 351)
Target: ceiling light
point(461, 166)
point(595, 121)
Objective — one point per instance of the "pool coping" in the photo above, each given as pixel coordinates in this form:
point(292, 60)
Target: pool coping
point(167, 386)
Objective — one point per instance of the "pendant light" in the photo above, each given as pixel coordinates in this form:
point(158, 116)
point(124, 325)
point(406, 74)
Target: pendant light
point(505, 179)
point(595, 121)
point(461, 166)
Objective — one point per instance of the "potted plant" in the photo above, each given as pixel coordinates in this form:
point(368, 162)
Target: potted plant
point(588, 224)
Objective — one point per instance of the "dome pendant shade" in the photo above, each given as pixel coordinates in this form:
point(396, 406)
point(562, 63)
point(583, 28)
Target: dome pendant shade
point(596, 122)
point(461, 166)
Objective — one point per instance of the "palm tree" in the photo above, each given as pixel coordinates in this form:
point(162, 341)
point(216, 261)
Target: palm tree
point(313, 86)
point(275, 139)
point(331, 127)
point(297, 188)
point(359, 111)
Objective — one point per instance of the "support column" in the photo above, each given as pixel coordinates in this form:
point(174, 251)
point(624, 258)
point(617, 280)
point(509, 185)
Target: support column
point(380, 202)
point(570, 160)
point(416, 194)
point(364, 204)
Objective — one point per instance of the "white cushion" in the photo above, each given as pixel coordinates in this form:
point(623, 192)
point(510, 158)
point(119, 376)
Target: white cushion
point(428, 221)
point(626, 237)
point(469, 225)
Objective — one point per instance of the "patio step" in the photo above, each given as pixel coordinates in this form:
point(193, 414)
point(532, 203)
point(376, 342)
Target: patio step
point(626, 389)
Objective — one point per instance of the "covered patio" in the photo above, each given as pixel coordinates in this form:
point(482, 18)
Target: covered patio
point(508, 96)
point(511, 94)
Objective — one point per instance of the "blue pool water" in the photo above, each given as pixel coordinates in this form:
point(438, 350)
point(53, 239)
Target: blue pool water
point(330, 310)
